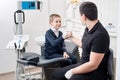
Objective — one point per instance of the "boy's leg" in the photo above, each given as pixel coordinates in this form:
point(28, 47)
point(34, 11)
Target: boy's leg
point(54, 56)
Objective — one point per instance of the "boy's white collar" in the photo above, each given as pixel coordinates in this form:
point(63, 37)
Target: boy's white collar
point(53, 29)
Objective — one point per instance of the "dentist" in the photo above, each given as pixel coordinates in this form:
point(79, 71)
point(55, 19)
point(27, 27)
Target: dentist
point(95, 48)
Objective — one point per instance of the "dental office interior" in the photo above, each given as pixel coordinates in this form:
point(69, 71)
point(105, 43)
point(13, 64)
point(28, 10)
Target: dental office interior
point(36, 22)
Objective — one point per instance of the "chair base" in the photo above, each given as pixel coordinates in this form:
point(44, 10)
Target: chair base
point(48, 71)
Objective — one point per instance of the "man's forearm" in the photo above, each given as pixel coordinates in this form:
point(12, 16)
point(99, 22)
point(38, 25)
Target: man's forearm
point(84, 68)
point(76, 41)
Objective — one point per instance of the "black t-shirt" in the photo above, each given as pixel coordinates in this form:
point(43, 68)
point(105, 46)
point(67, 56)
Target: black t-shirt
point(96, 40)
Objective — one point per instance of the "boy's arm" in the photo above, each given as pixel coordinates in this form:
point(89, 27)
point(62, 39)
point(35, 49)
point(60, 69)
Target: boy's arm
point(65, 53)
point(53, 40)
point(64, 47)
point(76, 41)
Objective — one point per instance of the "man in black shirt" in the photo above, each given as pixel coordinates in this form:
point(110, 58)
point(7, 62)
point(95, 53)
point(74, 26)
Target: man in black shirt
point(95, 48)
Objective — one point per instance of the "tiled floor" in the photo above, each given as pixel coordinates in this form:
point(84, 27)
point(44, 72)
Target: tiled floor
point(11, 75)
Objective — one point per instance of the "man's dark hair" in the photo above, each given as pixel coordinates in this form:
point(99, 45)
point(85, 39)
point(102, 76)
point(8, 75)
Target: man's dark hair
point(89, 9)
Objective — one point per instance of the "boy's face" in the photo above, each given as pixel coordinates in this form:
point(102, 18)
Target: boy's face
point(56, 23)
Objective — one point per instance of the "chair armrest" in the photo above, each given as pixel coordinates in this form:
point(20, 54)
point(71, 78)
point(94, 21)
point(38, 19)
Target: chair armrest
point(25, 62)
point(46, 62)
point(30, 56)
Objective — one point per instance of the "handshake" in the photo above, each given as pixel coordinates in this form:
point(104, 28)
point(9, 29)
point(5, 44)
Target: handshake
point(67, 35)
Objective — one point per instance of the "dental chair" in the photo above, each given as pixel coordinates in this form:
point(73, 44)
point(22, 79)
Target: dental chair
point(47, 65)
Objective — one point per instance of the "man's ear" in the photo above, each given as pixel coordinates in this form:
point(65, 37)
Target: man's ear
point(84, 17)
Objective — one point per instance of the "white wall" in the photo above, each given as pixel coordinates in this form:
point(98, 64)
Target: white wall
point(58, 6)
point(7, 58)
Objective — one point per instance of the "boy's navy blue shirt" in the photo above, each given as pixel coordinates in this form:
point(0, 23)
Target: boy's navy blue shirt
point(54, 44)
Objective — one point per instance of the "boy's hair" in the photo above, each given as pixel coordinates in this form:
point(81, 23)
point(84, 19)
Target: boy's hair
point(89, 9)
point(52, 16)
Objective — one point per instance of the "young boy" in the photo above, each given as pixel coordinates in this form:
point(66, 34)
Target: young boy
point(54, 41)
